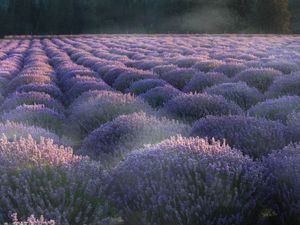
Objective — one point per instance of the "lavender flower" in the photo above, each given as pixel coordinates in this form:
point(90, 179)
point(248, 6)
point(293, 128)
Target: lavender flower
point(31, 98)
point(125, 80)
point(142, 86)
point(186, 181)
point(37, 115)
point(276, 109)
point(178, 78)
point(84, 86)
point(207, 65)
point(285, 85)
point(283, 184)
point(113, 73)
point(255, 137)
point(190, 107)
point(26, 79)
point(186, 62)
point(240, 93)
point(129, 132)
point(50, 89)
point(30, 221)
point(158, 96)
point(162, 69)
point(17, 130)
point(202, 80)
point(147, 64)
point(260, 78)
point(230, 69)
point(283, 66)
point(45, 179)
point(87, 116)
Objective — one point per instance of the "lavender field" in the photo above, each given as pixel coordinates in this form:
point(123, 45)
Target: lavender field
point(150, 130)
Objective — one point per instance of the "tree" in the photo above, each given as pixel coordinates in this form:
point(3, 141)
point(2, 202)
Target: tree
point(273, 16)
point(294, 6)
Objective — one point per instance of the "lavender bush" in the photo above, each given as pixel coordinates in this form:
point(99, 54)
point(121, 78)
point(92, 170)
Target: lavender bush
point(17, 130)
point(26, 152)
point(36, 115)
point(276, 109)
point(285, 85)
point(44, 179)
point(200, 81)
point(230, 69)
point(186, 62)
point(293, 122)
point(69, 83)
point(146, 64)
point(89, 115)
point(125, 80)
point(283, 66)
point(190, 107)
point(129, 132)
point(26, 79)
point(142, 86)
point(283, 184)
point(260, 78)
point(77, 73)
point(157, 97)
point(178, 78)
point(186, 181)
point(240, 93)
point(50, 89)
point(83, 86)
point(206, 66)
point(113, 73)
point(31, 98)
point(162, 69)
point(255, 137)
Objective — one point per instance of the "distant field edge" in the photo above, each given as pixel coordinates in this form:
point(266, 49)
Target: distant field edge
point(138, 34)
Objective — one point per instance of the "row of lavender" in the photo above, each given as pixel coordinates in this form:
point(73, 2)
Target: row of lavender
point(107, 96)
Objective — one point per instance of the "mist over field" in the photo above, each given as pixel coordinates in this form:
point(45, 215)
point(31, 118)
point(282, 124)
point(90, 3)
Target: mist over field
point(148, 16)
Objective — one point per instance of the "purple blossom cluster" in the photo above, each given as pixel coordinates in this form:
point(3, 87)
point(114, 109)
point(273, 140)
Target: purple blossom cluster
point(158, 96)
point(128, 132)
point(31, 98)
point(191, 107)
point(255, 137)
point(187, 181)
point(178, 78)
point(276, 109)
point(49, 89)
point(107, 95)
point(240, 93)
point(90, 113)
point(260, 78)
point(285, 85)
point(36, 115)
point(283, 183)
point(13, 130)
point(47, 179)
point(142, 86)
point(30, 221)
point(200, 81)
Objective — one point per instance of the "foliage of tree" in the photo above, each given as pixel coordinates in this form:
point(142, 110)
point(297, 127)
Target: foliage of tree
point(273, 16)
point(147, 16)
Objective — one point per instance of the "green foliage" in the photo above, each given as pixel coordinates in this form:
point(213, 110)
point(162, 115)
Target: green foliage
point(273, 16)
point(294, 7)
point(147, 16)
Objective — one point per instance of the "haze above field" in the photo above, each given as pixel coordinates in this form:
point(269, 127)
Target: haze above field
point(148, 16)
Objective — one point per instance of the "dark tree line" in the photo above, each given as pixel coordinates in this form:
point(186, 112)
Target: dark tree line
point(148, 16)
